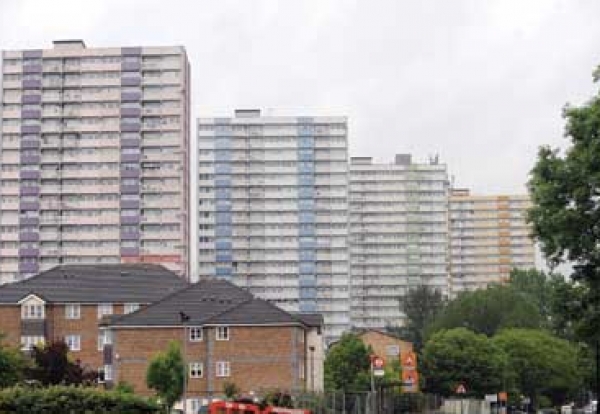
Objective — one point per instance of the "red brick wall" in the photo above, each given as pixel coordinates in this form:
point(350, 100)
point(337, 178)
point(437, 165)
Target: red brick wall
point(10, 325)
point(379, 342)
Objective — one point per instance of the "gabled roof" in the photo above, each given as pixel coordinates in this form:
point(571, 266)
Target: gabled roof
point(119, 283)
point(209, 302)
point(314, 320)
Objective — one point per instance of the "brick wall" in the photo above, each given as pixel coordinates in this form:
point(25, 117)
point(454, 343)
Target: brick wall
point(380, 343)
point(10, 324)
point(260, 358)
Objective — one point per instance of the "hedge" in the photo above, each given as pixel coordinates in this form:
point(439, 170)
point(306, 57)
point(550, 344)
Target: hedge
point(72, 400)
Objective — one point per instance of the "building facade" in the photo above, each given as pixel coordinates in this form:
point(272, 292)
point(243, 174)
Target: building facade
point(398, 235)
point(272, 203)
point(94, 158)
point(489, 236)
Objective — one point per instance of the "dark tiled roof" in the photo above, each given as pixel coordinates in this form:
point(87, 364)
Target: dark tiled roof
point(310, 319)
point(210, 302)
point(135, 283)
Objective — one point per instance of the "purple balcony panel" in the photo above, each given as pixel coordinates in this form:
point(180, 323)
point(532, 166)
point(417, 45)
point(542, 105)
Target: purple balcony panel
point(29, 252)
point(33, 53)
point(131, 96)
point(131, 51)
point(131, 127)
point(29, 221)
point(130, 204)
point(31, 84)
point(28, 267)
point(31, 114)
point(131, 142)
point(130, 235)
point(29, 205)
point(30, 159)
point(130, 219)
point(31, 99)
point(131, 157)
point(130, 189)
point(30, 144)
point(29, 236)
point(29, 175)
point(131, 81)
point(30, 129)
point(130, 173)
point(35, 68)
point(130, 66)
point(107, 354)
point(130, 251)
point(29, 191)
point(131, 112)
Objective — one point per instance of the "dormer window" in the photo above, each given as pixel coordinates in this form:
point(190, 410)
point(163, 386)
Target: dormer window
point(32, 307)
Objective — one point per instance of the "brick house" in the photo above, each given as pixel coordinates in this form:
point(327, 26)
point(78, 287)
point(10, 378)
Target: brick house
point(228, 336)
point(384, 344)
point(68, 302)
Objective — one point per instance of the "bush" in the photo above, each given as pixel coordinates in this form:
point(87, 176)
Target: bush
point(63, 399)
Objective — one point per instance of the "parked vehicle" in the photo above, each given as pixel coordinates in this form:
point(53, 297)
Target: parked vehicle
point(229, 407)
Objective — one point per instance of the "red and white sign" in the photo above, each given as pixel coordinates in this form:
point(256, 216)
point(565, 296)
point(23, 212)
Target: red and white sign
point(461, 389)
point(378, 363)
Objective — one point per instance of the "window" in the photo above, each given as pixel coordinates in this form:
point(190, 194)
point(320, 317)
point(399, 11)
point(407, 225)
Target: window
point(195, 334)
point(223, 369)
point(32, 311)
point(105, 309)
point(104, 338)
point(73, 311)
point(28, 342)
point(195, 369)
point(73, 342)
point(222, 333)
point(108, 373)
point(131, 307)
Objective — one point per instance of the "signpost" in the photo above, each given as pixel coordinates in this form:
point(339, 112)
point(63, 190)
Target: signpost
point(410, 375)
point(378, 366)
point(461, 390)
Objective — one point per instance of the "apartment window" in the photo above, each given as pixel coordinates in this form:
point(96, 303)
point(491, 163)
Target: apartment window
point(222, 333)
point(73, 342)
point(104, 338)
point(28, 342)
point(108, 373)
point(73, 311)
point(223, 369)
point(195, 369)
point(105, 309)
point(32, 311)
point(131, 307)
point(195, 334)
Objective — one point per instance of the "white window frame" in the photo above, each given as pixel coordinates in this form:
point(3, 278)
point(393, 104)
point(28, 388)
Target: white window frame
point(104, 338)
point(33, 311)
point(103, 307)
point(29, 341)
point(74, 340)
point(195, 334)
point(222, 333)
point(73, 311)
point(130, 307)
point(194, 367)
point(223, 369)
point(108, 373)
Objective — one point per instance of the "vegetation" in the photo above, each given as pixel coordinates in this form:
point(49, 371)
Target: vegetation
point(51, 366)
point(166, 375)
point(12, 365)
point(347, 365)
point(64, 399)
point(230, 390)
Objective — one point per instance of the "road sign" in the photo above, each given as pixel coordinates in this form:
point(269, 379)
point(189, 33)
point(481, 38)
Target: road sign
point(410, 378)
point(409, 360)
point(503, 396)
point(378, 362)
point(491, 398)
point(461, 389)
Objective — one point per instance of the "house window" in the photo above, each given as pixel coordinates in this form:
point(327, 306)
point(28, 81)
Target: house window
point(73, 342)
point(195, 334)
point(195, 369)
point(73, 311)
point(131, 307)
point(223, 369)
point(105, 309)
point(104, 338)
point(28, 342)
point(108, 373)
point(32, 311)
point(222, 333)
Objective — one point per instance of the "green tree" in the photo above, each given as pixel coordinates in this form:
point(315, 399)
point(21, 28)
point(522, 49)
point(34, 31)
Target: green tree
point(487, 311)
point(347, 365)
point(542, 363)
point(460, 356)
point(420, 306)
point(52, 366)
point(12, 365)
point(166, 374)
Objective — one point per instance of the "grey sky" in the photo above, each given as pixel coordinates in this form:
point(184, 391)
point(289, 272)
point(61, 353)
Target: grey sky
point(481, 83)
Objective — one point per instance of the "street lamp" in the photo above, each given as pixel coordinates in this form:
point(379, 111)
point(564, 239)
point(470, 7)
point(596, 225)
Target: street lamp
point(312, 367)
point(183, 317)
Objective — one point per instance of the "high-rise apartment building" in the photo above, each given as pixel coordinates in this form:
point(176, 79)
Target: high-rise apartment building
point(398, 235)
point(488, 237)
point(272, 202)
point(94, 157)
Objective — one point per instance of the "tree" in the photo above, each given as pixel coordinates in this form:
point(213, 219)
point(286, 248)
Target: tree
point(166, 374)
point(347, 365)
point(542, 363)
point(487, 311)
point(460, 356)
point(51, 366)
point(420, 306)
point(12, 365)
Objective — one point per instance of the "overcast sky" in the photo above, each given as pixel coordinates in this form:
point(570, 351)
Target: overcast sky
point(481, 83)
